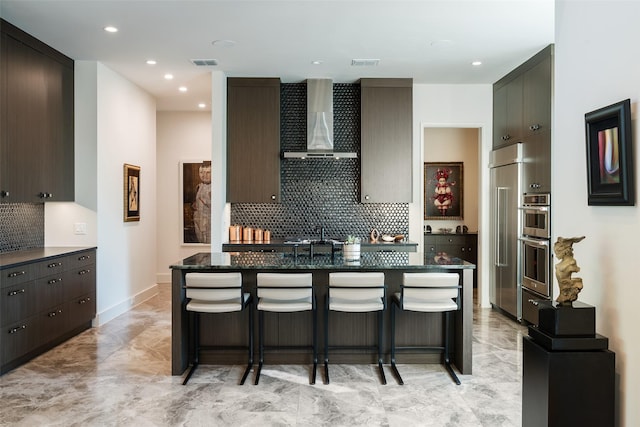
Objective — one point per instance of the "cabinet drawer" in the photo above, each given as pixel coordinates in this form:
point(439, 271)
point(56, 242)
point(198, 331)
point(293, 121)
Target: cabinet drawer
point(52, 266)
point(18, 339)
point(80, 281)
point(81, 310)
point(14, 275)
point(81, 259)
point(51, 324)
point(18, 302)
point(49, 291)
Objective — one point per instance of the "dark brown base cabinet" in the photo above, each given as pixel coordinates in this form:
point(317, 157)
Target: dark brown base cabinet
point(567, 388)
point(463, 246)
point(43, 303)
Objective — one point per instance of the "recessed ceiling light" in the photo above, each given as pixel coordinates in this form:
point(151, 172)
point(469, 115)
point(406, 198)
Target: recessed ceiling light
point(110, 29)
point(168, 76)
point(223, 43)
point(476, 63)
point(182, 88)
point(202, 105)
point(151, 62)
point(316, 62)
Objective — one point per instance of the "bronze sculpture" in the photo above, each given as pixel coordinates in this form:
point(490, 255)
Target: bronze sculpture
point(569, 287)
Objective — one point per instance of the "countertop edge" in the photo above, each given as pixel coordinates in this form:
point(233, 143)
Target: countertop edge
point(12, 259)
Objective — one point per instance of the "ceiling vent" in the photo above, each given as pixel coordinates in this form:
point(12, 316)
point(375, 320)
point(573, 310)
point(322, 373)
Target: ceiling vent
point(204, 62)
point(364, 62)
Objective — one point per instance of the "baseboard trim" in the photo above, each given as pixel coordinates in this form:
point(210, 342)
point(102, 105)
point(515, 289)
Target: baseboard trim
point(124, 306)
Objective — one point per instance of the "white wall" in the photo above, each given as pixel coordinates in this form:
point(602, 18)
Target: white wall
point(454, 106)
point(119, 126)
point(456, 145)
point(596, 65)
point(181, 136)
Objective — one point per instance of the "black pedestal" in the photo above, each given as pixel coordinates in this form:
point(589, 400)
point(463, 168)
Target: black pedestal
point(578, 319)
point(567, 388)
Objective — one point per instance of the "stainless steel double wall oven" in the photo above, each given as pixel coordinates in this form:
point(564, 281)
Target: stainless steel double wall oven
point(535, 239)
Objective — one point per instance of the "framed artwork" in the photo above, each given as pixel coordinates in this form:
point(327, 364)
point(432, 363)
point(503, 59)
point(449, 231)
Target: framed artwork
point(443, 190)
point(609, 156)
point(195, 189)
point(131, 193)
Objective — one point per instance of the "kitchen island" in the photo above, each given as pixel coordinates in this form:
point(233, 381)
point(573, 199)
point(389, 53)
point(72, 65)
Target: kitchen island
point(293, 328)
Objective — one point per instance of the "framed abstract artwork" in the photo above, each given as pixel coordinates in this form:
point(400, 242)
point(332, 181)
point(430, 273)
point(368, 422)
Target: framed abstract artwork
point(443, 191)
point(195, 189)
point(610, 177)
point(131, 193)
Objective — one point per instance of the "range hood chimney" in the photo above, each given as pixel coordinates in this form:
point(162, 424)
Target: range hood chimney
point(319, 123)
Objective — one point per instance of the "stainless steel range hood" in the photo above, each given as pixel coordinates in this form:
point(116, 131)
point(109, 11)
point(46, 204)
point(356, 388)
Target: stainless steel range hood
point(319, 123)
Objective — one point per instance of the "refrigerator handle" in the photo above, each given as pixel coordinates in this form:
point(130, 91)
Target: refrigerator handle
point(500, 226)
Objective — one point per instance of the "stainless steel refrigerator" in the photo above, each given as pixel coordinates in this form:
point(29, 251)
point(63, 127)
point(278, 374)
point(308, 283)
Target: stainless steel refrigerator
point(506, 195)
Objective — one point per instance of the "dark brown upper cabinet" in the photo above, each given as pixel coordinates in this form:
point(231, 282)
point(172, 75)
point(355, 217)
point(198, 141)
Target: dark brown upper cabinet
point(507, 111)
point(522, 113)
point(386, 140)
point(253, 140)
point(36, 120)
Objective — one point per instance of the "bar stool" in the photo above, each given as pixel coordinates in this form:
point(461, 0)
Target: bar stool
point(216, 293)
point(286, 293)
point(427, 293)
point(355, 293)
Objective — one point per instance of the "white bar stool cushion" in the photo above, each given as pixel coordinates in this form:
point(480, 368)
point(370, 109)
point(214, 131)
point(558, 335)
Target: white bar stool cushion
point(208, 294)
point(287, 299)
point(356, 300)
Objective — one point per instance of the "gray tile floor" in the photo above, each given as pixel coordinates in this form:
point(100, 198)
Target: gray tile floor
point(120, 375)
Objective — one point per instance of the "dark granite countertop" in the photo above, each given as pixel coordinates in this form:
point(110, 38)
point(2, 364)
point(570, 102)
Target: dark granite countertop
point(11, 259)
point(275, 260)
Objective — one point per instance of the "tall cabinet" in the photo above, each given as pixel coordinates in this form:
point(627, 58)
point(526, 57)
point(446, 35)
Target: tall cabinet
point(253, 140)
point(386, 132)
point(36, 120)
point(522, 113)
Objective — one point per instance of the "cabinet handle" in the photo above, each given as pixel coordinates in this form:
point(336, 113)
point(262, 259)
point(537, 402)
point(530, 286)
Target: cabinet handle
point(4, 193)
point(17, 273)
point(84, 257)
point(17, 329)
point(84, 300)
point(45, 195)
point(14, 293)
point(54, 281)
point(506, 137)
point(82, 272)
point(55, 264)
point(534, 127)
point(273, 197)
point(462, 249)
point(534, 185)
point(367, 197)
point(534, 302)
point(54, 313)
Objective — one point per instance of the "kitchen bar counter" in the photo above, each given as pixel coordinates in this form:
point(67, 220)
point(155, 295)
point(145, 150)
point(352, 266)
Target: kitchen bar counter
point(290, 326)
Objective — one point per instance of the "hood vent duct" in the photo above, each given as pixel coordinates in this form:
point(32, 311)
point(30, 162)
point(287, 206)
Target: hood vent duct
point(319, 123)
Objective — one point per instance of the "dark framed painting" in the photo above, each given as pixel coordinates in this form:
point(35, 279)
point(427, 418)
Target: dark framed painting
point(131, 193)
point(609, 156)
point(443, 190)
point(195, 188)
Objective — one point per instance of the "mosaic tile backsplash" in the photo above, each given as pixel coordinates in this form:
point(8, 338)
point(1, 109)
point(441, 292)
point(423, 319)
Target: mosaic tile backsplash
point(21, 226)
point(321, 193)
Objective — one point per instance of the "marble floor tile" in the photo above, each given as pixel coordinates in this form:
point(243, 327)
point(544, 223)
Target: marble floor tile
point(119, 374)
